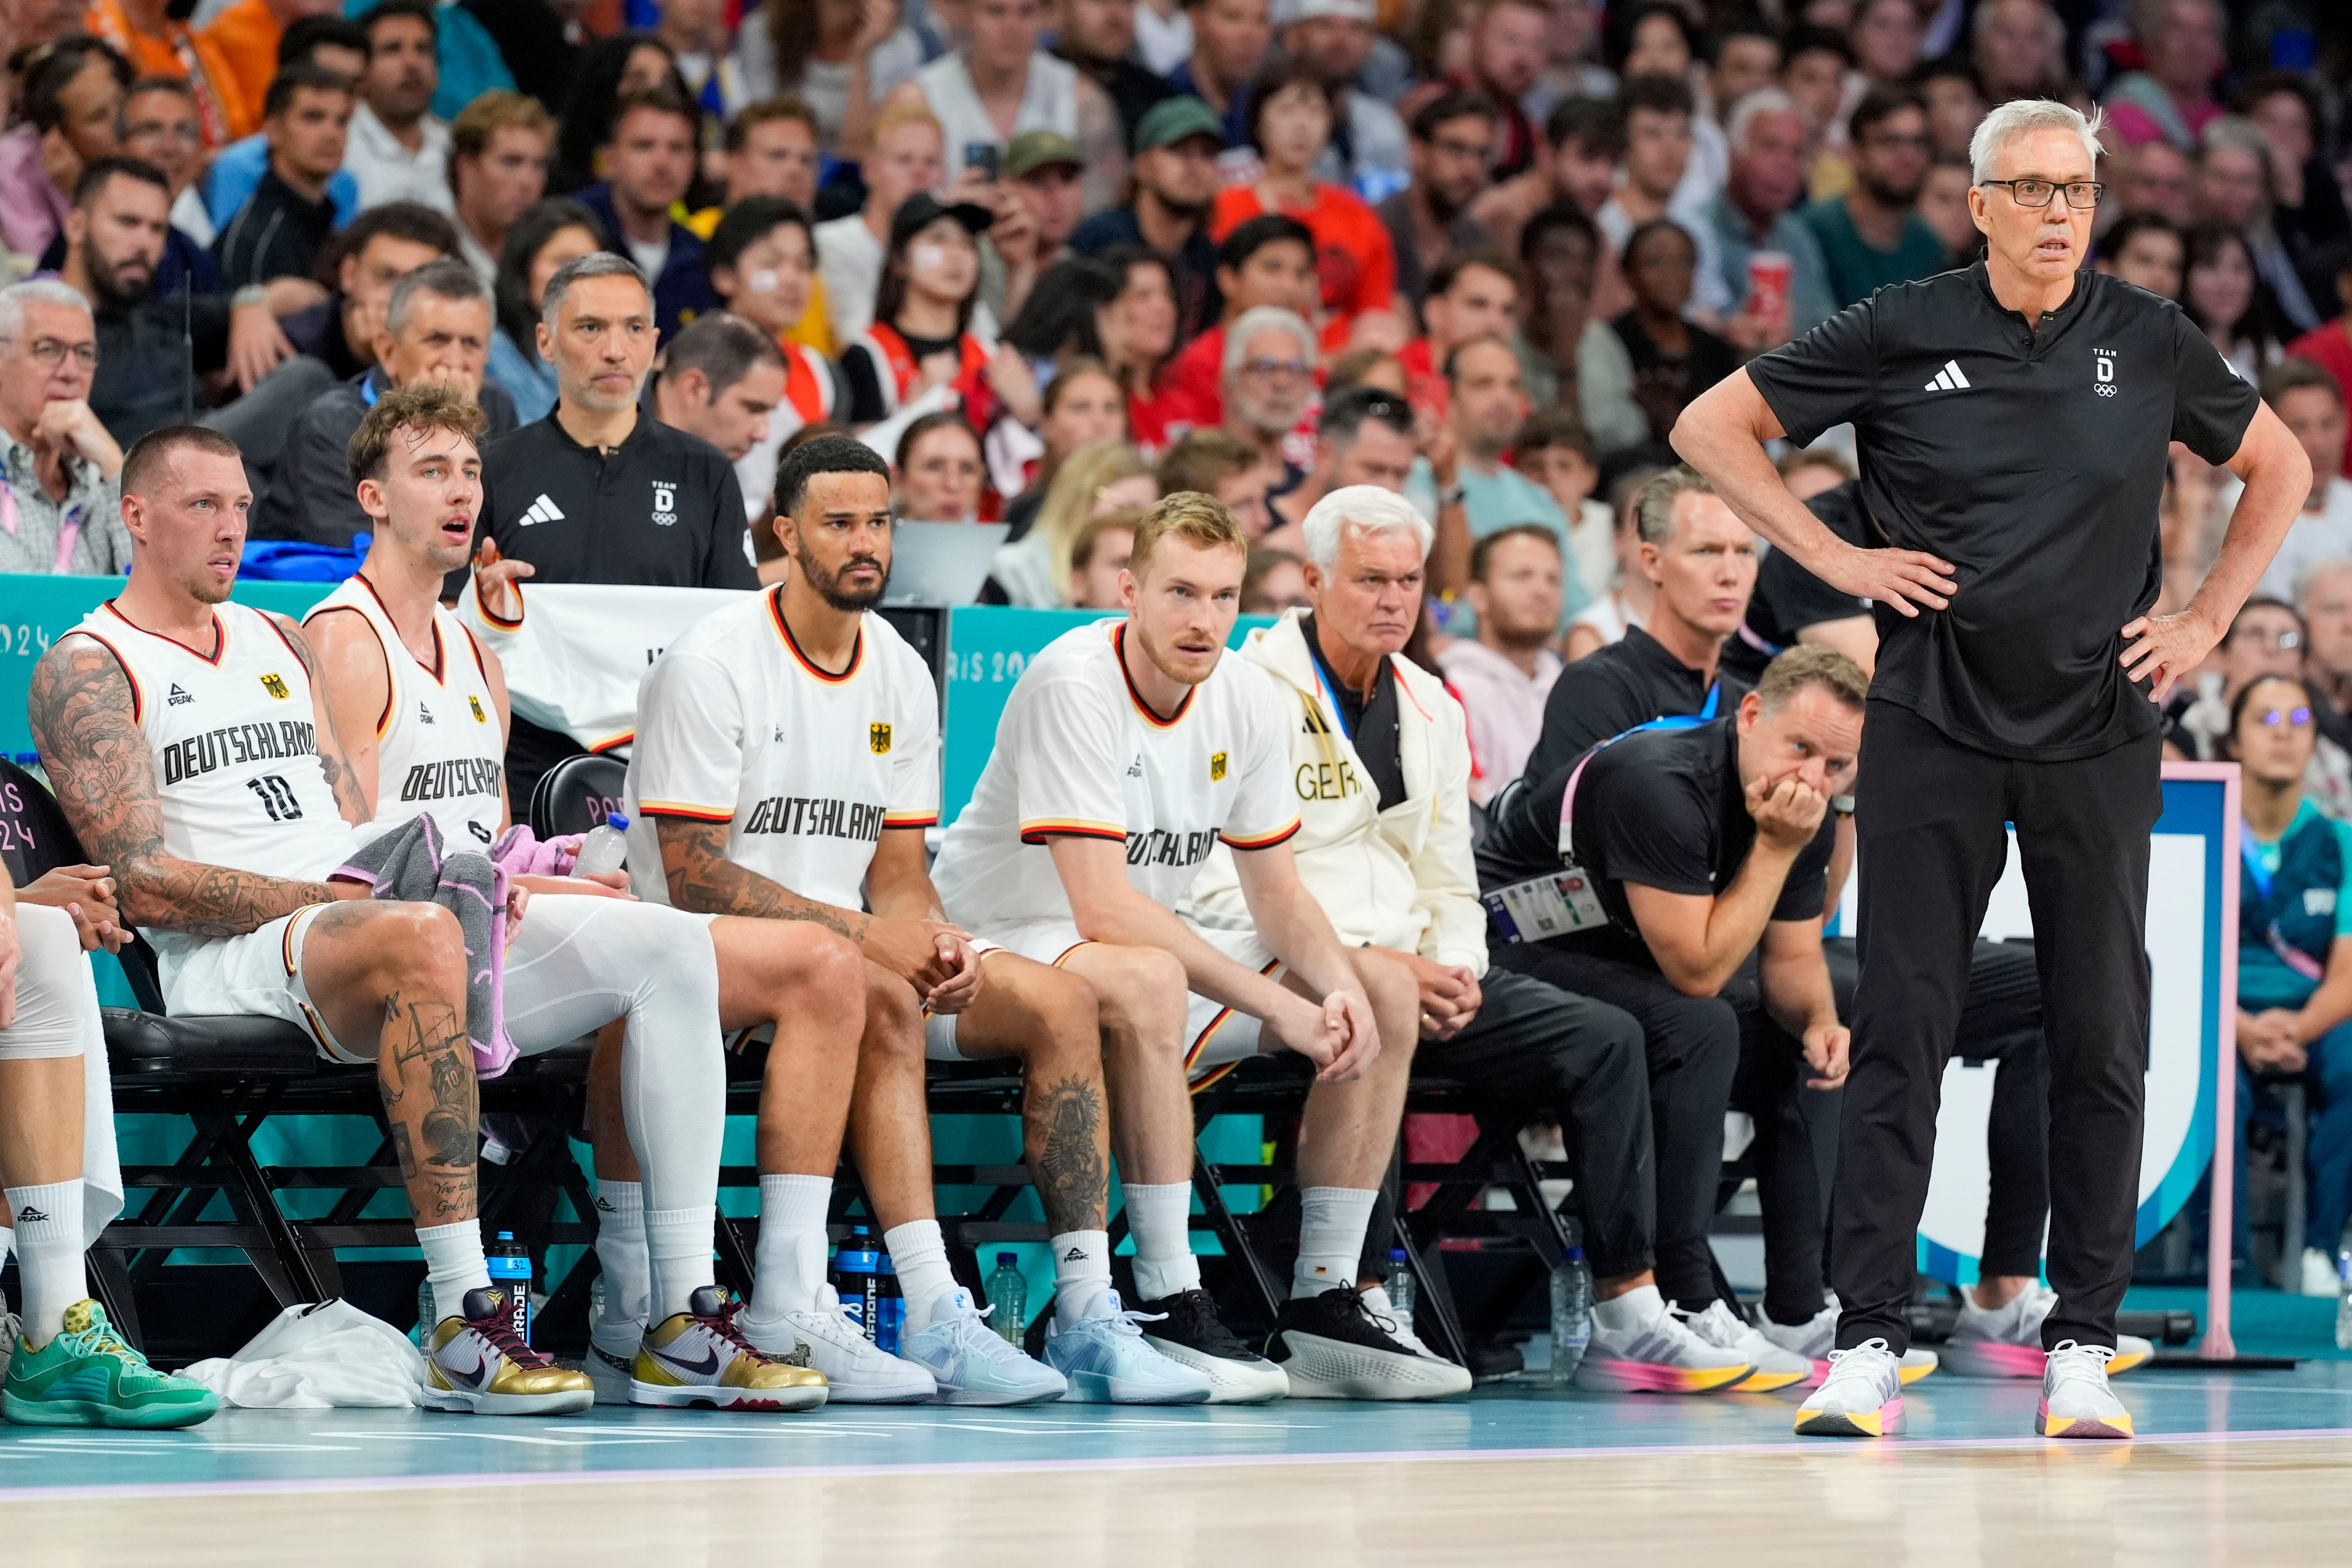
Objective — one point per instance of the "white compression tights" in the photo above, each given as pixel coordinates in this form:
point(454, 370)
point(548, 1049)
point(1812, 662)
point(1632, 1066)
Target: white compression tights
point(57, 1018)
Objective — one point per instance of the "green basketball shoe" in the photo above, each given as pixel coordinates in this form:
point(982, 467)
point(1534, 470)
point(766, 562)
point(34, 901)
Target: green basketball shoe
point(87, 1377)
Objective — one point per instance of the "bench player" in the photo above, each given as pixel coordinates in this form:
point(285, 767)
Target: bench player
point(785, 766)
point(1127, 750)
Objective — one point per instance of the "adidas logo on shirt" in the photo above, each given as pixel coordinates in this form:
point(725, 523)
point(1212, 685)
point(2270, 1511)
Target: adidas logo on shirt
point(177, 697)
point(540, 511)
point(1950, 378)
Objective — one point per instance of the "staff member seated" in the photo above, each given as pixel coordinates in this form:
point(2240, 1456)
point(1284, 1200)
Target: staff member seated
point(1703, 851)
point(1380, 763)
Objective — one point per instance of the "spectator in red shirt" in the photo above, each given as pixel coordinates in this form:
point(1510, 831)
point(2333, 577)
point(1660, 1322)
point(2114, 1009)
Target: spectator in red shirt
point(1268, 260)
point(1472, 295)
point(1290, 119)
point(2329, 344)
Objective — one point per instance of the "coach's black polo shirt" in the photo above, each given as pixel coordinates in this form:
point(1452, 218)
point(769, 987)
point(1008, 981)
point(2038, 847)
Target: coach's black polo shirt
point(663, 509)
point(1664, 808)
point(1788, 598)
point(2032, 460)
point(1607, 692)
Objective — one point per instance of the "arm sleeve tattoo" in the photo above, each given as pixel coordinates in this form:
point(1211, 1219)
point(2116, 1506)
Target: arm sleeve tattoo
point(702, 879)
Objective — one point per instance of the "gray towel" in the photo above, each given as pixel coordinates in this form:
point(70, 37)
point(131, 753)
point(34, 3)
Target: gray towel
point(409, 864)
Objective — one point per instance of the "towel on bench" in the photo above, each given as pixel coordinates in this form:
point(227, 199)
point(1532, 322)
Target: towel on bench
point(409, 864)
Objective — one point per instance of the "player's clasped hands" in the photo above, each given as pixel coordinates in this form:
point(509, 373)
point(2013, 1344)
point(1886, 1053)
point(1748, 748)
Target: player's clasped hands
point(87, 893)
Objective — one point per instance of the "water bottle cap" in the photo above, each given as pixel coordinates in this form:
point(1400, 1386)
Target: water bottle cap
point(1396, 1255)
point(506, 1236)
point(882, 1264)
point(1005, 1260)
point(1575, 1255)
point(617, 823)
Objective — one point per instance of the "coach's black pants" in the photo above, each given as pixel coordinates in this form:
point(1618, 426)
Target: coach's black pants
point(1692, 1045)
point(1931, 844)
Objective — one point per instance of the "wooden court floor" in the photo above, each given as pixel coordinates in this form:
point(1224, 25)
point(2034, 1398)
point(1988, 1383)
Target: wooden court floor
point(2255, 1470)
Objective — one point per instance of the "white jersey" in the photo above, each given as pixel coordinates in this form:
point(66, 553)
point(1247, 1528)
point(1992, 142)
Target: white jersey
point(1078, 754)
point(236, 744)
point(736, 725)
point(438, 749)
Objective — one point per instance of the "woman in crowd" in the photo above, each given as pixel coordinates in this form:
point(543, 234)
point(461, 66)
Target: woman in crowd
point(761, 259)
point(2307, 209)
point(627, 62)
point(548, 235)
point(839, 57)
point(921, 336)
point(1082, 404)
point(1290, 119)
point(1674, 361)
point(2224, 297)
point(940, 475)
point(1138, 334)
point(2294, 955)
point(1103, 477)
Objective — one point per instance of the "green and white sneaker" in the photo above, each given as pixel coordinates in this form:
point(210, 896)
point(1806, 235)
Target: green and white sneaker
point(87, 1376)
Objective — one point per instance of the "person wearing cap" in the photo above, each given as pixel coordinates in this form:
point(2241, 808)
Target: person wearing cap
point(1174, 184)
point(1045, 172)
point(1333, 38)
point(1098, 37)
point(921, 334)
point(997, 83)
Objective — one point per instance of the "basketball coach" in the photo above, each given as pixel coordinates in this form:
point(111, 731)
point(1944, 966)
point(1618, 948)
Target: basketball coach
point(2012, 420)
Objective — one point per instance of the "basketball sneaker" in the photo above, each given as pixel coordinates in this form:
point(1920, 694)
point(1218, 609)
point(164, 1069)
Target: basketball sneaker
point(1185, 1327)
point(859, 1370)
point(972, 1364)
point(87, 1376)
point(2006, 1340)
point(1863, 1397)
point(1728, 1330)
point(1383, 1311)
point(612, 1361)
point(1108, 1360)
point(475, 1363)
point(1329, 1347)
point(700, 1357)
point(9, 1328)
point(2075, 1399)
point(1658, 1355)
point(1815, 1337)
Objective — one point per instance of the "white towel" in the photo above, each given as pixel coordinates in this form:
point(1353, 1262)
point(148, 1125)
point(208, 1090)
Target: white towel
point(318, 1358)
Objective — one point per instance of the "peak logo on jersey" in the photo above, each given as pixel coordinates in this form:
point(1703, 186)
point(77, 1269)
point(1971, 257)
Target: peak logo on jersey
point(665, 504)
point(424, 714)
point(476, 704)
point(1135, 769)
point(1217, 768)
point(877, 737)
point(275, 684)
point(178, 697)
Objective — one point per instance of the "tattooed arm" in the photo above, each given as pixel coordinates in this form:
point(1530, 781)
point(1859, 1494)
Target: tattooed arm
point(331, 759)
point(104, 776)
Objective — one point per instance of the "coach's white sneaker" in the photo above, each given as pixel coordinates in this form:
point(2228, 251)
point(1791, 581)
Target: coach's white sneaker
point(1817, 1336)
point(857, 1371)
point(2319, 1275)
point(1775, 1368)
point(1641, 1345)
point(1863, 1397)
point(2075, 1399)
point(2006, 1341)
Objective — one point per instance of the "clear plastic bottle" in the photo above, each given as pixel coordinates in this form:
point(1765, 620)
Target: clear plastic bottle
point(1402, 1289)
point(425, 1320)
point(605, 847)
point(1008, 1292)
point(2343, 1298)
point(1571, 1317)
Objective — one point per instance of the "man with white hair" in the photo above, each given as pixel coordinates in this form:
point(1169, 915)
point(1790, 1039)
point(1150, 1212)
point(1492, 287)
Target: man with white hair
point(1755, 214)
point(61, 500)
point(1381, 764)
point(2026, 704)
point(1269, 382)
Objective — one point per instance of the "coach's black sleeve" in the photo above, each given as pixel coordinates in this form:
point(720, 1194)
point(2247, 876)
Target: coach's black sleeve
point(1827, 377)
point(1806, 891)
point(1654, 828)
point(2211, 406)
point(729, 564)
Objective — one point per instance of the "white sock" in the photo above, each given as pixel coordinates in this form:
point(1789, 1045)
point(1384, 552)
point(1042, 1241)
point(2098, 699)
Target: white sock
point(791, 1254)
point(919, 1253)
point(677, 1251)
point(453, 1263)
point(1623, 1314)
point(1081, 1272)
point(1331, 1225)
point(1160, 1218)
point(621, 1249)
point(49, 1255)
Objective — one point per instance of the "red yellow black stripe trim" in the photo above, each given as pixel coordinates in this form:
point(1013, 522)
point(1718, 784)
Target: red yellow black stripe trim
point(1046, 827)
point(220, 635)
point(930, 821)
point(1201, 1041)
point(1086, 942)
point(679, 808)
point(438, 669)
point(138, 702)
point(286, 948)
point(496, 620)
point(856, 648)
point(622, 739)
point(475, 643)
point(1265, 841)
point(1118, 646)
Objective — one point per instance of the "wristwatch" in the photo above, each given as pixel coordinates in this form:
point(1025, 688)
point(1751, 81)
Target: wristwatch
point(251, 294)
point(1453, 497)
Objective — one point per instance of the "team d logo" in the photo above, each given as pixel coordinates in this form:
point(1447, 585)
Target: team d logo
point(476, 704)
point(665, 504)
point(2103, 371)
point(878, 736)
point(275, 684)
point(1217, 768)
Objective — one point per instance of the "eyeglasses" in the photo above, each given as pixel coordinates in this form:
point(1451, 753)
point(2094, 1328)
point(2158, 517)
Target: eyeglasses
point(1273, 367)
point(49, 352)
point(2286, 642)
point(2299, 718)
point(2080, 194)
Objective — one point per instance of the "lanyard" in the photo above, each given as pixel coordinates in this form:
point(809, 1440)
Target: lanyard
point(368, 392)
point(1330, 703)
point(1568, 795)
point(69, 525)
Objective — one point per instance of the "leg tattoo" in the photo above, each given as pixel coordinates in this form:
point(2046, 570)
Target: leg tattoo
point(1068, 1155)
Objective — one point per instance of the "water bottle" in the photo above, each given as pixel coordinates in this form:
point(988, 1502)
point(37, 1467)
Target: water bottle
point(853, 1278)
point(509, 1263)
point(605, 849)
point(426, 1321)
point(1008, 1292)
point(889, 1307)
point(1401, 1288)
point(2343, 1298)
point(1571, 1317)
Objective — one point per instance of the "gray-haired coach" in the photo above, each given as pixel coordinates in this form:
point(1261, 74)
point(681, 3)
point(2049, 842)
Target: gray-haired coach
point(2012, 420)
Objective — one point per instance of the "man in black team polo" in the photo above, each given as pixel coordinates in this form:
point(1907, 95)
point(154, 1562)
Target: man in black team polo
point(600, 491)
point(2012, 420)
point(1792, 605)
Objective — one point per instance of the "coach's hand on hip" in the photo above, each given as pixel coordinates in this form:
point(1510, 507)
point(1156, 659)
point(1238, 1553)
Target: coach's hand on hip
point(2161, 649)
